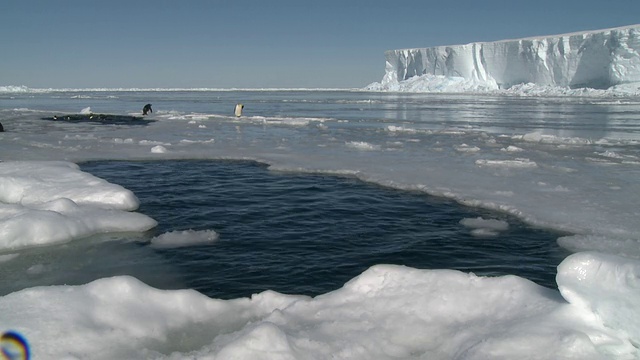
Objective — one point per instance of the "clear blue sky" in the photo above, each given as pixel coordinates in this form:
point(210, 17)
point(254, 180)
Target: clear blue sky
point(260, 43)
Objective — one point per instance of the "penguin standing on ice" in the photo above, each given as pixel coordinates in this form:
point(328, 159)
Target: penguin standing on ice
point(146, 109)
point(238, 110)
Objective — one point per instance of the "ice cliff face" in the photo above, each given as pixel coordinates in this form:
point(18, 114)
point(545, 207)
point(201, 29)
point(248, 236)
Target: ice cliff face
point(595, 59)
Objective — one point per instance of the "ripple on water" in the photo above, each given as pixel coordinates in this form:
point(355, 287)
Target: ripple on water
point(309, 234)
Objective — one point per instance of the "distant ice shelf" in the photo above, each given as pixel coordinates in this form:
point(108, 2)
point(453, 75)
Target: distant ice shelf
point(601, 59)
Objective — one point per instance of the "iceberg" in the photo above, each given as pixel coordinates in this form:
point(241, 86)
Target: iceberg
point(601, 59)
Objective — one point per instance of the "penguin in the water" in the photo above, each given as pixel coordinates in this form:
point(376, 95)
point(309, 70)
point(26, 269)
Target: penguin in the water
point(146, 109)
point(238, 110)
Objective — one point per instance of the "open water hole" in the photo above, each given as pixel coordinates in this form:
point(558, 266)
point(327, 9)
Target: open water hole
point(308, 233)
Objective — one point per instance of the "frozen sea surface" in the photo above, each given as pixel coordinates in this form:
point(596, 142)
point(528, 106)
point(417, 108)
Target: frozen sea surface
point(568, 164)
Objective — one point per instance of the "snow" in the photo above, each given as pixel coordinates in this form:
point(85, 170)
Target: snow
point(485, 227)
point(184, 238)
point(559, 64)
point(54, 202)
point(386, 312)
point(43, 181)
point(158, 149)
point(583, 182)
point(362, 145)
point(606, 285)
point(516, 163)
point(374, 316)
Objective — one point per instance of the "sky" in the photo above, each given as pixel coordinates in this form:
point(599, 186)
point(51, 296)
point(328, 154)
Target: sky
point(259, 43)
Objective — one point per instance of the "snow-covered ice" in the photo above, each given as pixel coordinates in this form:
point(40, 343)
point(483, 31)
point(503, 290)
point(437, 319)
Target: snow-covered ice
point(184, 238)
point(388, 312)
point(52, 202)
point(570, 164)
point(599, 59)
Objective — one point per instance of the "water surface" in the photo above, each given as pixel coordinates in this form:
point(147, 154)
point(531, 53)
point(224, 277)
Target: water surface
point(309, 234)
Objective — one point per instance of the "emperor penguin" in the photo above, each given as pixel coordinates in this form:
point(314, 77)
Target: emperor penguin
point(238, 110)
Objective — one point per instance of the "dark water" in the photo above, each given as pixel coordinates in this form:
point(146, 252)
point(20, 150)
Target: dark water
point(309, 234)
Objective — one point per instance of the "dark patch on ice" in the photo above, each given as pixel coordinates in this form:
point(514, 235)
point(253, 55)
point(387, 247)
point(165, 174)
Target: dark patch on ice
point(106, 119)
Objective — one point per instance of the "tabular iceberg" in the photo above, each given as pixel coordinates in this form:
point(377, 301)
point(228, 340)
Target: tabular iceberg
point(598, 59)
